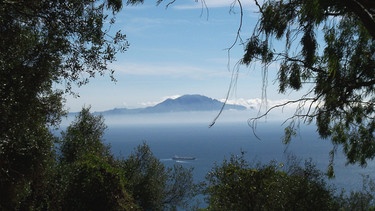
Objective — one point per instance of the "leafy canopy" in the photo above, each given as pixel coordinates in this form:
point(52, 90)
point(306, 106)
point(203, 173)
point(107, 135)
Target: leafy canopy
point(43, 43)
point(84, 136)
point(87, 176)
point(155, 186)
point(237, 185)
point(336, 71)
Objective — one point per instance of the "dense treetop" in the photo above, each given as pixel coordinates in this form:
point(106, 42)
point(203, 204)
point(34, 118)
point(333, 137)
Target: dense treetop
point(43, 43)
point(336, 72)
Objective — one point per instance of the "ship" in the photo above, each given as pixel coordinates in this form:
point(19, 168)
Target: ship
point(182, 158)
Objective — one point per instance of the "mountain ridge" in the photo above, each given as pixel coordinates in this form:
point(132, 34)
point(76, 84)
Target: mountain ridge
point(188, 102)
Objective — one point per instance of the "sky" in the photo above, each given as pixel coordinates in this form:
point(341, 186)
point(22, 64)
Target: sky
point(174, 51)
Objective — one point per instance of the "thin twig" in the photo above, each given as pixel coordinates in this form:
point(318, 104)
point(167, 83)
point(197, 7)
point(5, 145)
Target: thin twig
point(238, 34)
point(234, 72)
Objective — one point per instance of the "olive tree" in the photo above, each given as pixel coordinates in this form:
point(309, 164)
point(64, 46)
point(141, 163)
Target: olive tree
point(238, 185)
point(92, 183)
point(335, 71)
point(87, 175)
point(328, 55)
point(155, 186)
point(84, 136)
point(44, 43)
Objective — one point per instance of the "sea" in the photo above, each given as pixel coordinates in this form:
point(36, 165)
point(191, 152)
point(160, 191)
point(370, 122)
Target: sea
point(189, 134)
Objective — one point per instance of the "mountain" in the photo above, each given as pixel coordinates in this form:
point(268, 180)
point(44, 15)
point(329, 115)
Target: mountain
point(183, 103)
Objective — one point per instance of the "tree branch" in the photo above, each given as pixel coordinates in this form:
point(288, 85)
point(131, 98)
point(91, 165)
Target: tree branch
point(252, 121)
point(234, 73)
point(361, 9)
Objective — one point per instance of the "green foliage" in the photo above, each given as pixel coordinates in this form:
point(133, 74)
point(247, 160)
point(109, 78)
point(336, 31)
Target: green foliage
point(24, 160)
point(359, 200)
point(91, 183)
point(84, 136)
point(64, 40)
point(180, 188)
point(237, 184)
point(153, 186)
point(335, 70)
point(147, 178)
point(88, 177)
point(234, 185)
point(91, 178)
point(44, 43)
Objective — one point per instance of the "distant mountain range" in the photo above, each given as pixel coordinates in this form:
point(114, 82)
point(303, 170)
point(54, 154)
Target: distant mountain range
point(183, 103)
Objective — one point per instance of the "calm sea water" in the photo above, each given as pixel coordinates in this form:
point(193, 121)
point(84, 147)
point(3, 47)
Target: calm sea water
point(212, 145)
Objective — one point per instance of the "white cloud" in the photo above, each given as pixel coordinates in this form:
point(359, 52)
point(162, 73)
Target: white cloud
point(171, 97)
point(259, 104)
point(147, 104)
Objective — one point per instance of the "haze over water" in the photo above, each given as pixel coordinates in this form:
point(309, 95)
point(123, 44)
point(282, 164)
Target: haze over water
point(188, 134)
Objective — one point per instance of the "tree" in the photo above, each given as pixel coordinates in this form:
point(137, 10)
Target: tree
point(153, 186)
point(180, 188)
point(359, 200)
point(44, 43)
point(335, 71)
point(235, 185)
point(25, 165)
point(91, 183)
point(84, 136)
point(88, 176)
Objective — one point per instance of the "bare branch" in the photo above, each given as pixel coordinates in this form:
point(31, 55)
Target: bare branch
point(234, 72)
point(258, 5)
point(302, 101)
point(362, 10)
point(231, 85)
point(238, 34)
point(169, 3)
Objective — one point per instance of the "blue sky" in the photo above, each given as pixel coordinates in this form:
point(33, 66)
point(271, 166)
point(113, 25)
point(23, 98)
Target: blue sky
point(176, 51)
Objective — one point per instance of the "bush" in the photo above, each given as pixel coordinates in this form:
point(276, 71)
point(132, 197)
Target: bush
point(93, 184)
point(155, 187)
point(234, 185)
